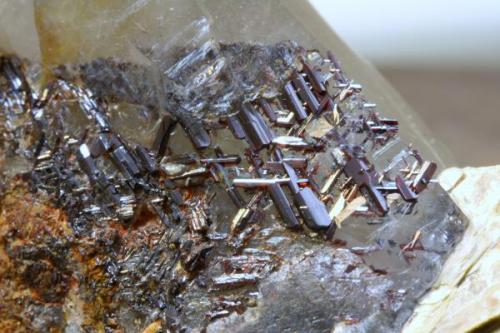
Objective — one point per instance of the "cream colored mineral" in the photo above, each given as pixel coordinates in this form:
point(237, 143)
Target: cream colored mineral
point(466, 296)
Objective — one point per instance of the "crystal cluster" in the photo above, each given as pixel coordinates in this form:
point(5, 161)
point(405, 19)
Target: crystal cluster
point(209, 196)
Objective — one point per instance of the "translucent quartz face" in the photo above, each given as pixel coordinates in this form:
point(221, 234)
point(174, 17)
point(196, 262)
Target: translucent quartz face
point(58, 32)
point(210, 166)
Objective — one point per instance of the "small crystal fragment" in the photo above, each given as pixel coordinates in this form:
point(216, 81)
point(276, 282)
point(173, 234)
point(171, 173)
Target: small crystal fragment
point(235, 280)
point(165, 128)
point(306, 93)
point(255, 127)
point(297, 107)
point(290, 142)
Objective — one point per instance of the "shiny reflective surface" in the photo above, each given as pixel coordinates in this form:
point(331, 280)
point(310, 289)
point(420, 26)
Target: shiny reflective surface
point(205, 184)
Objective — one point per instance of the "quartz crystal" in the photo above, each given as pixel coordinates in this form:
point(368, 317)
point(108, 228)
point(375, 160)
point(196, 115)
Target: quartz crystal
point(176, 176)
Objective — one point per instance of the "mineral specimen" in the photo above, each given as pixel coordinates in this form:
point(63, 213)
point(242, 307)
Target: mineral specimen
point(212, 202)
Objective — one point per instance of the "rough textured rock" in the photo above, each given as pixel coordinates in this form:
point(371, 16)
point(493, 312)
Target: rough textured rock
point(466, 296)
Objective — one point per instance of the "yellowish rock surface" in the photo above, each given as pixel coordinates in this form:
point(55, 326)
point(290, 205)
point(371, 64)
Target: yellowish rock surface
point(466, 296)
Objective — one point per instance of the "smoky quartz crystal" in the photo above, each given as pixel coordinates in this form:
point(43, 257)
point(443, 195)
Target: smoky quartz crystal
point(217, 186)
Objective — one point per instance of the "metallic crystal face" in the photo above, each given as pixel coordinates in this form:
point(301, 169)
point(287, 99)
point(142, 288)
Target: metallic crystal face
point(226, 202)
